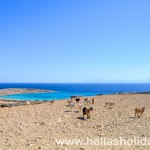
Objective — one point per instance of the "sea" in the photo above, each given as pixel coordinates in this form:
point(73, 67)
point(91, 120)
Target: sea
point(65, 90)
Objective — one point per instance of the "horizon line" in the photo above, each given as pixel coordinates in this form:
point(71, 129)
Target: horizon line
point(74, 82)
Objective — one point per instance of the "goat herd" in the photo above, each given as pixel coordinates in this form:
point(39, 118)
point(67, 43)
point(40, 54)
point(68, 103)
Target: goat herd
point(83, 106)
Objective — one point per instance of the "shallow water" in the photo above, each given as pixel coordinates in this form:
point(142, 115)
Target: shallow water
point(65, 90)
point(47, 96)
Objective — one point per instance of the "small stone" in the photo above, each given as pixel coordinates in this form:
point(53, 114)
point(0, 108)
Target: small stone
point(29, 144)
point(42, 123)
point(40, 147)
point(39, 137)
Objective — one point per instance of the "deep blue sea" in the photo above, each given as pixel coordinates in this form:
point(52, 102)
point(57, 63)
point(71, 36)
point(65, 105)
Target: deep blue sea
point(65, 90)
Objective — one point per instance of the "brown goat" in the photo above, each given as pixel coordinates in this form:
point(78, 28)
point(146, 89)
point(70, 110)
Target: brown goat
point(68, 103)
point(52, 102)
point(85, 100)
point(87, 111)
point(93, 102)
point(106, 103)
point(111, 105)
point(139, 111)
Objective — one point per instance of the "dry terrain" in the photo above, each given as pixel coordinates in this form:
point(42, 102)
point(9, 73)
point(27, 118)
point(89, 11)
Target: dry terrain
point(32, 127)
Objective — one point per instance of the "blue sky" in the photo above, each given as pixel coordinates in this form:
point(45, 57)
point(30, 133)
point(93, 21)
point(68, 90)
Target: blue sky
point(75, 41)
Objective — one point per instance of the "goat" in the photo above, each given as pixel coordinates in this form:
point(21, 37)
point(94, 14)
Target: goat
point(52, 102)
point(77, 100)
point(72, 105)
point(28, 103)
point(88, 102)
point(85, 100)
point(93, 101)
point(87, 111)
point(111, 105)
point(139, 111)
point(68, 103)
point(80, 107)
point(106, 103)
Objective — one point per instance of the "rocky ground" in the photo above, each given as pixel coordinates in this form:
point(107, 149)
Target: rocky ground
point(32, 127)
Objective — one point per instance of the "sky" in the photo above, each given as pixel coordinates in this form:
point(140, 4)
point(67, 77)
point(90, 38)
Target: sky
point(72, 41)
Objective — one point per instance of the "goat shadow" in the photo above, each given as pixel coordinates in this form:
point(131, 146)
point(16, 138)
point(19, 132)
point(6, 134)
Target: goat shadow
point(68, 111)
point(71, 111)
point(133, 117)
point(76, 111)
point(81, 118)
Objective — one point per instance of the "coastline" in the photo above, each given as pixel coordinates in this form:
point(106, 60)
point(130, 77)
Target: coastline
point(13, 91)
point(10, 91)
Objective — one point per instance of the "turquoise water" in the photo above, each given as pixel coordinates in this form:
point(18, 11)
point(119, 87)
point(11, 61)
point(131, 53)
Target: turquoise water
point(47, 96)
point(65, 90)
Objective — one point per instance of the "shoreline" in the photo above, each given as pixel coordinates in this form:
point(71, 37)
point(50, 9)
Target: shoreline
point(11, 91)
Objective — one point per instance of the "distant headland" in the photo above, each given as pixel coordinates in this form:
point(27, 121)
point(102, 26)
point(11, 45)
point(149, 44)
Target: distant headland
point(9, 91)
